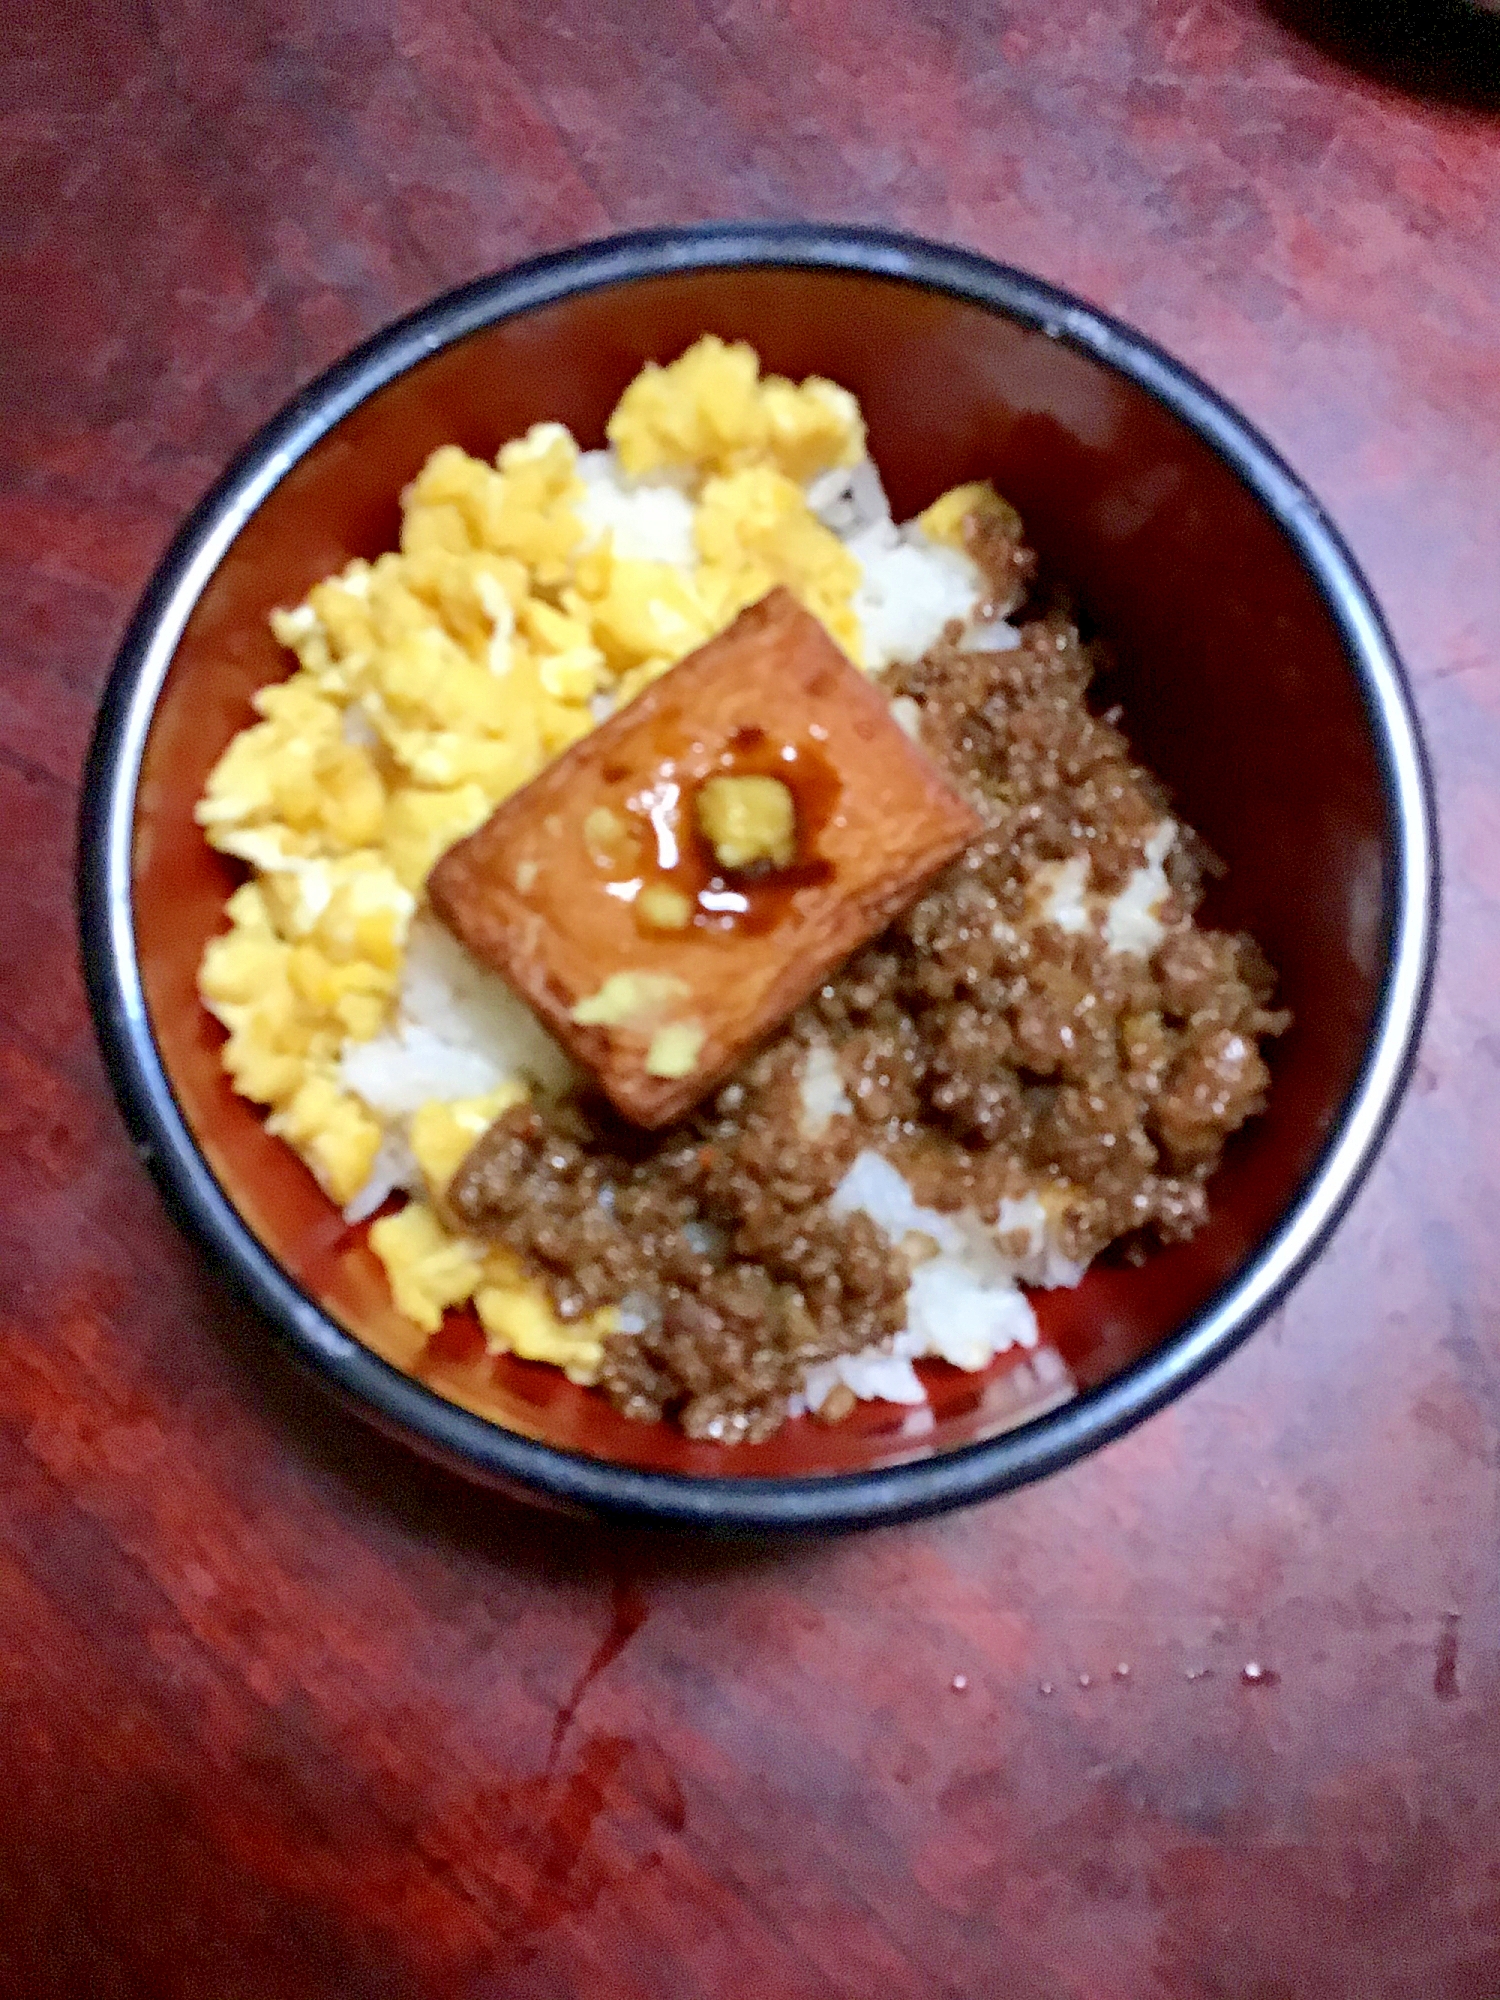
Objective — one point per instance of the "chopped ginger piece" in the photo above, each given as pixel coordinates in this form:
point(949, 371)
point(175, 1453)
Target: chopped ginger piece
point(675, 1049)
point(629, 998)
point(748, 820)
point(663, 907)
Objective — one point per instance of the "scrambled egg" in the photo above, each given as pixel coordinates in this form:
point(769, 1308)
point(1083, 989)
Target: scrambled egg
point(435, 681)
point(948, 519)
point(712, 411)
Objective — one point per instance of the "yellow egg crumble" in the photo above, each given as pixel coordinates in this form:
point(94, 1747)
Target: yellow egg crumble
point(436, 680)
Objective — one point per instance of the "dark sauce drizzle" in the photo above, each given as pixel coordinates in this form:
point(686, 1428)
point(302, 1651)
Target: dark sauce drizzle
point(672, 850)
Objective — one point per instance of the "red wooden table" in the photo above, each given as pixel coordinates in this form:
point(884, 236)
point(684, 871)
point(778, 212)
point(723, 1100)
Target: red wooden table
point(283, 1712)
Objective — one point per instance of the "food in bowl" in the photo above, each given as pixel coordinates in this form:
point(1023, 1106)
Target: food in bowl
point(1038, 1058)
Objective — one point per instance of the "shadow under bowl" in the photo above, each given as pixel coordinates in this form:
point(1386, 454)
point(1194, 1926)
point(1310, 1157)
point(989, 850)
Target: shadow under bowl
point(1256, 677)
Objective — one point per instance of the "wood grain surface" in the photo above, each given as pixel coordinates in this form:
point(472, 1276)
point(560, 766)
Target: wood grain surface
point(283, 1712)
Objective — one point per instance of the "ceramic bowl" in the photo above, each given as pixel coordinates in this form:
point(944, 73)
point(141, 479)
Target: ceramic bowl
point(1257, 677)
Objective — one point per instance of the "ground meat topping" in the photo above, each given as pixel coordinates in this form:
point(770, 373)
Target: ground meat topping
point(984, 1049)
point(734, 1275)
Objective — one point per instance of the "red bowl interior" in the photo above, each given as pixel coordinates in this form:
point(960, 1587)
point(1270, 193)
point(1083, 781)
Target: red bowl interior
point(1235, 686)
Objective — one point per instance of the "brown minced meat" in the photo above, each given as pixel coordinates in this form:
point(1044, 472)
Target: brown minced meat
point(984, 1052)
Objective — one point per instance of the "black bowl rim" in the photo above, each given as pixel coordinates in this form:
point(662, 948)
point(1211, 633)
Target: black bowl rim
point(474, 1445)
